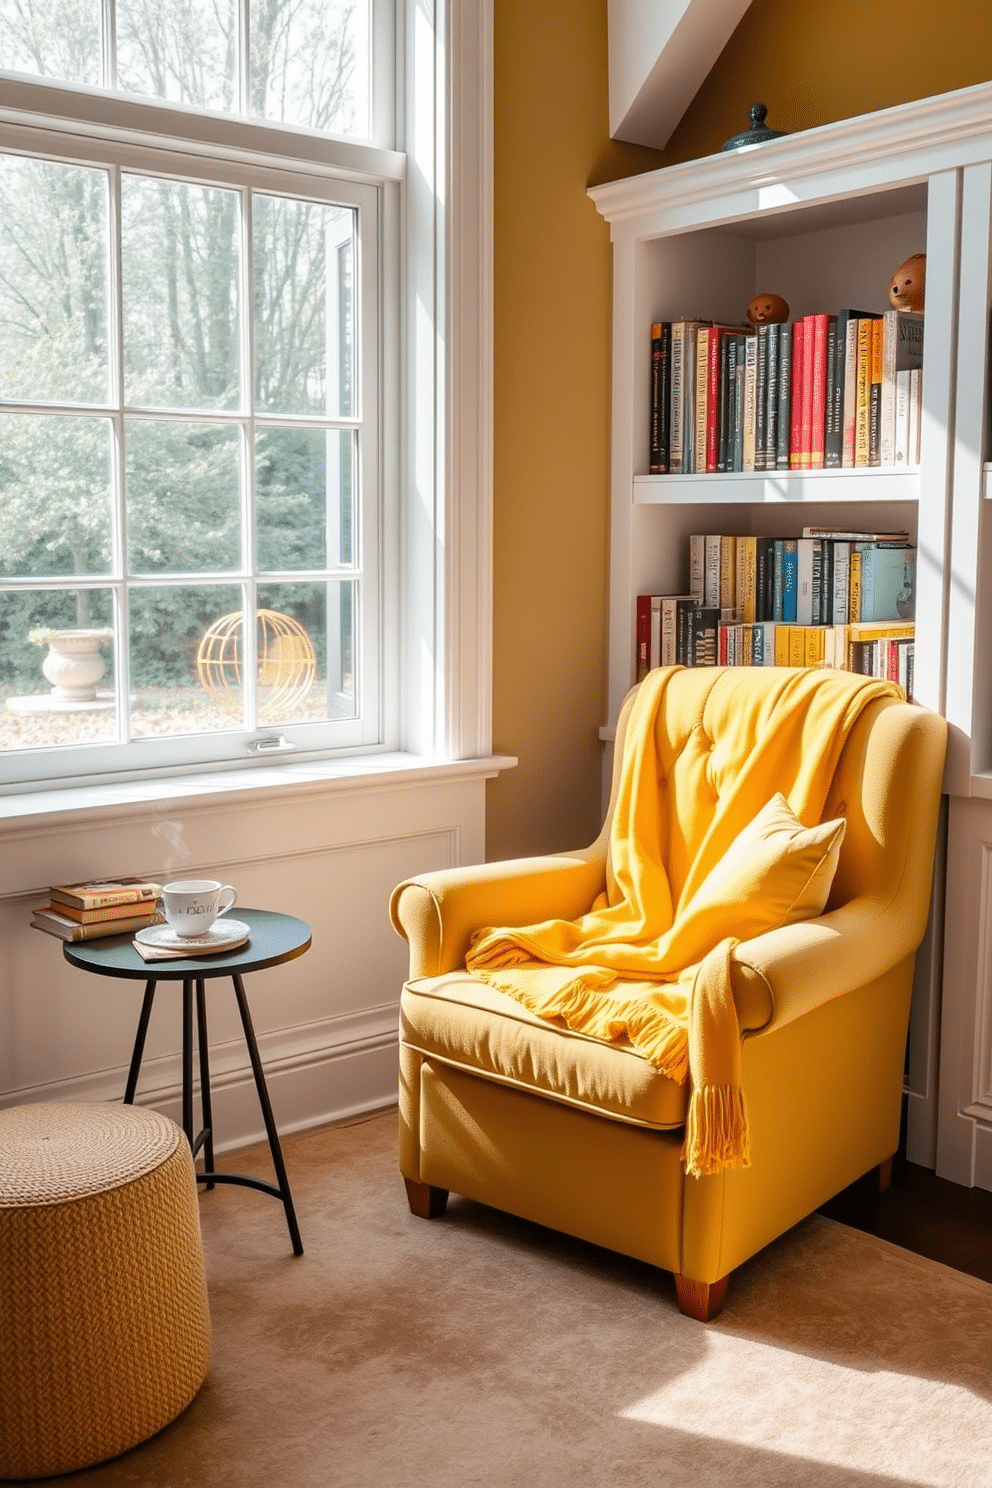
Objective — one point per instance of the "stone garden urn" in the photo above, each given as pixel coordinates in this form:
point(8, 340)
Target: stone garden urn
point(73, 664)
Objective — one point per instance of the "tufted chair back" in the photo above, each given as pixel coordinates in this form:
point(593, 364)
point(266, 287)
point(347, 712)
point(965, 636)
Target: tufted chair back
point(694, 764)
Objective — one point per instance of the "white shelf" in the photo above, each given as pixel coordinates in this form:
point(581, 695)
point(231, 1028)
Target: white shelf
point(775, 487)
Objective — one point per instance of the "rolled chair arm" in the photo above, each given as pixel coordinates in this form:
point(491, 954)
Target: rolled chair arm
point(437, 913)
point(809, 964)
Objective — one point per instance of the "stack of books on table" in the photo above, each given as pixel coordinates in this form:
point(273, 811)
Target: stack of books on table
point(87, 911)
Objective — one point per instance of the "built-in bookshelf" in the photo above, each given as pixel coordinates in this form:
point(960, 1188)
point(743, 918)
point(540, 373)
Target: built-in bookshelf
point(823, 218)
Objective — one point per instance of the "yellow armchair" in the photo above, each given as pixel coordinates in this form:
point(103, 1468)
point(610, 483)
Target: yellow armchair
point(585, 1136)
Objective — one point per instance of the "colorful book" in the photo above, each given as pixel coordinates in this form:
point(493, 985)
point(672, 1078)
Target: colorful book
point(661, 345)
point(53, 922)
point(833, 443)
point(818, 391)
point(100, 893)
point(875, 394)
point(862, 412)
point(796, 406)
point(783, 424)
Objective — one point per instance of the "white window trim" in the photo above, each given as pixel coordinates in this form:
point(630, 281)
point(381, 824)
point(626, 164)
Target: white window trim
point(441, 672)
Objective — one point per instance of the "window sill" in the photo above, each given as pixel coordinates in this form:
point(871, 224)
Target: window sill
point(354, 774)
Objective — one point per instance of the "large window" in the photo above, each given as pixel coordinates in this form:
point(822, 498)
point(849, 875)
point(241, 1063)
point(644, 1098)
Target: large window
point(191, 347)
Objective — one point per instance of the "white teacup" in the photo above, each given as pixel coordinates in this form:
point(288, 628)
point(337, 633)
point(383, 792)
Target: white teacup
point(192, 904)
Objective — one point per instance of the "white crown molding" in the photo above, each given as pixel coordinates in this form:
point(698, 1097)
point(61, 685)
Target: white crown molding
point(907, 142)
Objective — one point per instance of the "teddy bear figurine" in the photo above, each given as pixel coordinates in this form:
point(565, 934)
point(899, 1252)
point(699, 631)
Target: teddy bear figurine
point(767, 309)
point(907, 287)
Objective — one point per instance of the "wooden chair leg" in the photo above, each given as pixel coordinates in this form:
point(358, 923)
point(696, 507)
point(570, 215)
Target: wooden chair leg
point(701, 1300)
point(426, 1201)
point(884, 1174)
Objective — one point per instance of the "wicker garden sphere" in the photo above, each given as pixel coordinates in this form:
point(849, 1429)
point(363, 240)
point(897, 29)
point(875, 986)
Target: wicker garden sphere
point(287, 662)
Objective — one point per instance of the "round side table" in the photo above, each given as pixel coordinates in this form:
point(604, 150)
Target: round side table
point(274, 938)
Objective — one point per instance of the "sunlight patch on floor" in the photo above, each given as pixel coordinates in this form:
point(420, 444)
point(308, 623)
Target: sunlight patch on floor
point(845, 1416)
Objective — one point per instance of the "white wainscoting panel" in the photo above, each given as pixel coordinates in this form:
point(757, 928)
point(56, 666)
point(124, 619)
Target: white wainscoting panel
point(326, 1022)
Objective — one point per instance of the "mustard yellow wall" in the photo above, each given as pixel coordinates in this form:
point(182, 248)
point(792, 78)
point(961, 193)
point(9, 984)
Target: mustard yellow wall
point(810, 61)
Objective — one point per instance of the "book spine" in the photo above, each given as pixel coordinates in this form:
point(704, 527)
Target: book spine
point(850, 402)
point(713, 358)
point(101, 899)
point(840, 586)
point(701, 398)
point(761, 399)
point(809, 356)
point(833, 435)
point(676, 414)
point(863, 403)
point(689, 398)
point(739, 381)
point(816, 582)
point(55, 923)
point(887, 428)
point(654, 649)
point(748, 603)
point(818, 393)
point(777, 601)
point(711, 571)
point(804, 579)
point(875, 395)
point(654, 425)
point(815, 638)
point(782, 645)
point(728, 392)
point(915, 414)
point(900, 419)
point(797, 644)
point(728, 572)
point(772, 399)
point(796, 405)
point(854, 585)
point(790, 577)
point(750, 390)
point(669, 629)
point(643, 637)
point(740, 576)
point(697, 566)
point(783, 429)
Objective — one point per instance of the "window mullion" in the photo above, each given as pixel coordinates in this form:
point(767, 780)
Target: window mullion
point(249, 555)
point(244, 58)
point(119, 558)
point(109, 24)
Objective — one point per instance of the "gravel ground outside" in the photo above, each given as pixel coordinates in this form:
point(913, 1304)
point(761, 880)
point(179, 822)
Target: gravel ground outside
point(155, 713)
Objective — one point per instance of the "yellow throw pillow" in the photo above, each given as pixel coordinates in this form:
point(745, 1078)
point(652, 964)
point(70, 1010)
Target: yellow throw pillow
point(776, 872)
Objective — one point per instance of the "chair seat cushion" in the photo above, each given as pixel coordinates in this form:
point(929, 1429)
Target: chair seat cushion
point(459, 1020)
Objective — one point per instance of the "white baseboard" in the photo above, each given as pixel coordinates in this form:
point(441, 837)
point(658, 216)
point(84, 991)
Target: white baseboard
point(327, 1071)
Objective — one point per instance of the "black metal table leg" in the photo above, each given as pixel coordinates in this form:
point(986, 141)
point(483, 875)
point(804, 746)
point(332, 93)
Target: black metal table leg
point(206, 1137)
point(139, 1043)
point(270, 1125)
point(188, 1060)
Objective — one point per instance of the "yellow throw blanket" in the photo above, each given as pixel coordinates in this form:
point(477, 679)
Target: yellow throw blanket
point(650, 961)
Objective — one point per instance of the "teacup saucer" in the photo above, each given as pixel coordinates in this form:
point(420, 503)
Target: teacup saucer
point(223, 935)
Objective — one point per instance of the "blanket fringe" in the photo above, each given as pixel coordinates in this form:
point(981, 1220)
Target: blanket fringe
point(716, 1131)
point(580, 1004)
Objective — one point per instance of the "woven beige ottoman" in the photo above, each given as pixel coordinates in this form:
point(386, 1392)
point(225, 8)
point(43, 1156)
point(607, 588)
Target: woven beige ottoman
point(104, 1327)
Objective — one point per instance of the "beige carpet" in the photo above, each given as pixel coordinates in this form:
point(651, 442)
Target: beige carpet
point(478, 1349)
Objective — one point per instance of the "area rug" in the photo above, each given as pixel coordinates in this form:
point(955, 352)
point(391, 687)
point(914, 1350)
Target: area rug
point(479, 1349)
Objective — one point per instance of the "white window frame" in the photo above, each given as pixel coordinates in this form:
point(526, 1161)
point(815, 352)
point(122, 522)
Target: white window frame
point(436, 205)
